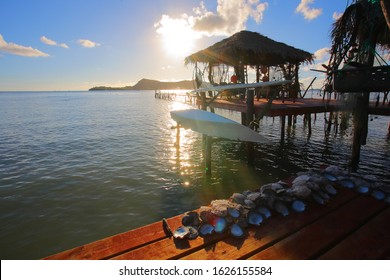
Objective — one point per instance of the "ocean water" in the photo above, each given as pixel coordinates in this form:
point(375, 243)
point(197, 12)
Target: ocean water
point(79, 166)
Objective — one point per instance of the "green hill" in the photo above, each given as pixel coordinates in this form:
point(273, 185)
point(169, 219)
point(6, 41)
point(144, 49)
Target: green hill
point(147, 84)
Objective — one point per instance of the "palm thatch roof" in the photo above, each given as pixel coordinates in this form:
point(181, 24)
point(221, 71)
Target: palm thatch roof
point(363, 19)
point(250, 48)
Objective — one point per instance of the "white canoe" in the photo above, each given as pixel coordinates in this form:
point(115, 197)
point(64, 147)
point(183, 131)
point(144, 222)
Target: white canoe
point(216, 126)
point(239, 86)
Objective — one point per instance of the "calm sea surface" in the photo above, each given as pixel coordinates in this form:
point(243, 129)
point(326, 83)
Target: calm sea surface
point(79, 166)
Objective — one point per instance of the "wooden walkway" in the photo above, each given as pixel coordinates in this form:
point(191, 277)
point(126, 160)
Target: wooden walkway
point(298, 107)
point(350, 226)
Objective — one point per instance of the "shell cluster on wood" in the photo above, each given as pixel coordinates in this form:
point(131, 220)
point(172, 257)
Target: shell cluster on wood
point(252, 208)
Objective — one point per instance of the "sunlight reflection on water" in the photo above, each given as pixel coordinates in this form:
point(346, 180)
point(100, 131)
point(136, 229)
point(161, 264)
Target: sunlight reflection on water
point(79, 166)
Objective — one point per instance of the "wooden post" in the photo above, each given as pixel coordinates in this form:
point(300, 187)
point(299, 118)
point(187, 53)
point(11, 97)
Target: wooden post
point(283, 125)
point(250, 107)
point(308, 118)
point(243, 118)
point(203, 100)
point(360, 128)
point(329, 122)
point(360, 118)
point(207, 153)
point(289, 121)
point(250, 110)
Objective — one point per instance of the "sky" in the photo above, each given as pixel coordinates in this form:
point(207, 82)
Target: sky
point(78, 44)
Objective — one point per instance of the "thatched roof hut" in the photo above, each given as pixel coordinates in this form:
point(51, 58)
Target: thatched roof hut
point(250, 48)
point(362, 23)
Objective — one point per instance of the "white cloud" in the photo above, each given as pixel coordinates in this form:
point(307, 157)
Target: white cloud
point(230, 17)
point(88, 43)
point(50, 42)
point(322, 54)
point(47, 41)
point(15, 49)
point(337, 15)
point(308, 12)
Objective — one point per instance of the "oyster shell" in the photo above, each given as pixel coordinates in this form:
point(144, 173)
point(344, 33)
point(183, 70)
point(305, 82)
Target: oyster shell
point(363, 189)
point(238, 198)
point(206, 229)
point(378, 194)
point(347, 183)
point(205, 214)
point(220, 224)
point(181, 232)
point(194, 233)
point(237, 231)
point(281, 208)
point(191, 219)
point(264, 211)
point(254, 218)
point(233, 212)
point(298, 205)
point(330, 189)
point(330, 177)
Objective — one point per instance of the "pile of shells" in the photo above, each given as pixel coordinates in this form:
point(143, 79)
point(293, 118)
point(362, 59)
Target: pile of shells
point(251, 208)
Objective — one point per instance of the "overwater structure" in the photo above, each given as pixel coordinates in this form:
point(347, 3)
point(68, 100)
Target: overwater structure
point(351, 73)
point(356, 36)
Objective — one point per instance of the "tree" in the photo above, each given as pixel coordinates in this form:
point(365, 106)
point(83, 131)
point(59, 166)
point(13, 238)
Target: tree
point(385, 5)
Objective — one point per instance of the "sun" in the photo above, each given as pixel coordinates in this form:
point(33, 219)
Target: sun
point(178, 44)
point(177, 35)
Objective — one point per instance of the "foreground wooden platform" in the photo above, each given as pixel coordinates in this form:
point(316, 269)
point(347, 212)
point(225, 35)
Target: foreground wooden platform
point(350, 226)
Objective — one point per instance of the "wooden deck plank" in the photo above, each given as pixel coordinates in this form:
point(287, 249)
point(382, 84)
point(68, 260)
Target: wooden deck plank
point(319, 236)
point(371, 241)
point(113, 245)
point(169, 248)
point(271, 231)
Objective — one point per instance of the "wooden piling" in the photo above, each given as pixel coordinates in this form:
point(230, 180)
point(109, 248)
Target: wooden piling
point(308, 118)
point(250, 111)
point(282, 127)
point(329, 126)
point(207, 153)
point(360, 127)
point(289, 121)
point(250, 107)
point(243, 118)
point(203, 100)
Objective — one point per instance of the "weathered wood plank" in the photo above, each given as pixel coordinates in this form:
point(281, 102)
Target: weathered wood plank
point(319, 236)
point(169, 248)
point(371, 241)
point(116, 244)
point(271, 231)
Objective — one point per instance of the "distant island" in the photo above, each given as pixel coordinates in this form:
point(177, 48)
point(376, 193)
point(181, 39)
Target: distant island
point(147, 84)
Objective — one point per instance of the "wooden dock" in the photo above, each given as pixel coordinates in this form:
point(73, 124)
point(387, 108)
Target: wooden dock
point(351, 226)
point(299, 106)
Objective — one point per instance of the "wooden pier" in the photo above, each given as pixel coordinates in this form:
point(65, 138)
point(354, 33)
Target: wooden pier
point(351, 226)
point(184, 97)
point(286, 107)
